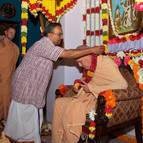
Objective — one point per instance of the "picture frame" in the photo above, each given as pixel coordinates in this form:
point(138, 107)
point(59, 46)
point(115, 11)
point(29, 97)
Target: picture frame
point(124, 19)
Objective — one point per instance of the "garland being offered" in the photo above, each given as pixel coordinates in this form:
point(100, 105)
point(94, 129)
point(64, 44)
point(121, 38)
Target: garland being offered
point(87, 74)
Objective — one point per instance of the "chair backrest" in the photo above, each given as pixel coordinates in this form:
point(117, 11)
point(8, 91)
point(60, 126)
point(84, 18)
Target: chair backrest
point(128, 100)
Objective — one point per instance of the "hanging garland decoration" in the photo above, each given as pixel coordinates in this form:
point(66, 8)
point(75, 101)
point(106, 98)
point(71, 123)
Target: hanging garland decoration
point(91, 20)
point(105, 17)
point(87, 74)
point(135, 63)
point(89, 128)
point(35, 6)
point(51, 9)
point(138, 5)
point(129, 43)
point(96, 32)
point(24, 20)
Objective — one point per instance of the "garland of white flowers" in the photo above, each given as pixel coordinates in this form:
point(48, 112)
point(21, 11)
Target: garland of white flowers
point(113, 27)
point(92, 23)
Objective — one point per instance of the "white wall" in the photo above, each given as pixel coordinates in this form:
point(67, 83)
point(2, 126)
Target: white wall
point(73, 35)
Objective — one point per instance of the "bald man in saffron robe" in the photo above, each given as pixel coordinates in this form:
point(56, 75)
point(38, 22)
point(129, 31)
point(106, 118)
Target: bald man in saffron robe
point(8, 57)
point(70, 112)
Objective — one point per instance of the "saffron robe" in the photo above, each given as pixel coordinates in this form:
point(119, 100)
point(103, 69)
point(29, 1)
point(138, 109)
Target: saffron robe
point(8, 57)
point(70, 112)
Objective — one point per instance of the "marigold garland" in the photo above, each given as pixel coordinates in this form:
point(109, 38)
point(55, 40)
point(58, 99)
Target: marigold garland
point(89, 129)
point(51, 8)
point(87, 74)
point(135, 63)
point(24, 20)
point(105, 17)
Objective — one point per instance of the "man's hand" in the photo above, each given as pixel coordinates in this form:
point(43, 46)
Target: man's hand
point(98, 50)
point(85, 87)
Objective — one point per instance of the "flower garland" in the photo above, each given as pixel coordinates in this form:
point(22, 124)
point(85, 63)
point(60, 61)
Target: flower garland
point(24, 20)
point(61, 90)
point(95, 20)
point(87, 74)
point(131, 45)
point(89, 129)
point(105, 17)
point(90, 125)
point(91, 16)
point(135, 63)
point(51, 9)
point(117, 40)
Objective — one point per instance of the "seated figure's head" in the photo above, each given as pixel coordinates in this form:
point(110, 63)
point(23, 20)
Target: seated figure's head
point(85, 61)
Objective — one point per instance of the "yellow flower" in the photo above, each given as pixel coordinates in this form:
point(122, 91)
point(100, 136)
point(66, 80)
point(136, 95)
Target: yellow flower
point(32, 1)
point(91, 128)
point(104, 16)
point(105, 38)
point(23, 50)
point(23, 39)
point(91, 136)
point(90, 73)
point(109, 115)
point(24, 15)
point(76, 85)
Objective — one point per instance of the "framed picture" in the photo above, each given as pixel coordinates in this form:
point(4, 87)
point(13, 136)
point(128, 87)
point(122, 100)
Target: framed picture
point(124, 17)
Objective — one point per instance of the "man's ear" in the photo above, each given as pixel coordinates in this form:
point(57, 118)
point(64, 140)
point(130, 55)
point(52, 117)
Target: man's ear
point(49, 34)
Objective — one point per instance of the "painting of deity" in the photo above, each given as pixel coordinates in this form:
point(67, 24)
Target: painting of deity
point(125, 18)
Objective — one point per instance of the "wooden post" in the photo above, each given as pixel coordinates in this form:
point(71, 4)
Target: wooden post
point(42, 27)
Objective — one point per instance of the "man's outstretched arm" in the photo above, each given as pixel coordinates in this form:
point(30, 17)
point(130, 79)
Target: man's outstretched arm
point(82, 51)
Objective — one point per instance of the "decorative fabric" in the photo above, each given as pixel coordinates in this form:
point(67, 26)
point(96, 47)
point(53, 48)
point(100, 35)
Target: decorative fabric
point(52, 9)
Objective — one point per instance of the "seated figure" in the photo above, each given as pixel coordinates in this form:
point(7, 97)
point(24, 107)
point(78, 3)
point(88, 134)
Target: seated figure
point(70, 112)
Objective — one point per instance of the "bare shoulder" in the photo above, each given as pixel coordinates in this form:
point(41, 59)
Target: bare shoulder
point(15, 47)
point(2, 44)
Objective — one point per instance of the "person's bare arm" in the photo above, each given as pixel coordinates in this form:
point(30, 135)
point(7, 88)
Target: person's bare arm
point(76, 53)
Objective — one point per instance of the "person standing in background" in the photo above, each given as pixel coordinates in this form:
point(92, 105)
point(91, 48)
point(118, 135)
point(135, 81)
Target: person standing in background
point(9, 53)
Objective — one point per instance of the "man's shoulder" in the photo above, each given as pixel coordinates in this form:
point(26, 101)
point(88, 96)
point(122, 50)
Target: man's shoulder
point(2, 43)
